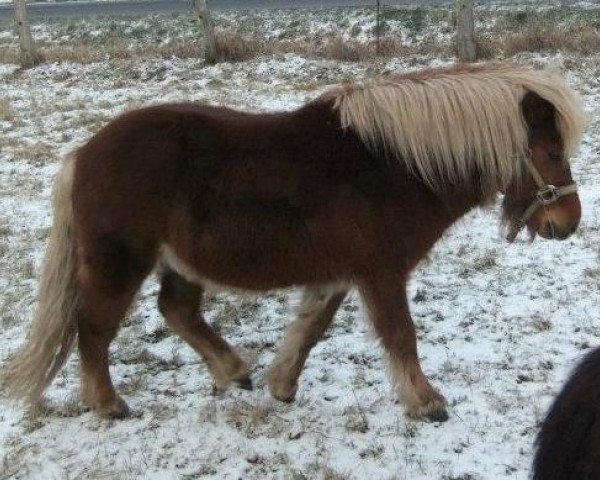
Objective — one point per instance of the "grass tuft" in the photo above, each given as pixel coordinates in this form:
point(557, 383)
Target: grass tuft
point(7, 113)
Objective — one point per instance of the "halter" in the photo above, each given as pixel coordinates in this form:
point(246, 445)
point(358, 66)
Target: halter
point(546, 195)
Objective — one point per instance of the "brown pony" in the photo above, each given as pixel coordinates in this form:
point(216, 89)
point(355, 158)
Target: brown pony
point(351, 190)
point(569, 440)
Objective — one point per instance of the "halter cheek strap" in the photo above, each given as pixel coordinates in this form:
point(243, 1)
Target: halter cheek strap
point(546, 195)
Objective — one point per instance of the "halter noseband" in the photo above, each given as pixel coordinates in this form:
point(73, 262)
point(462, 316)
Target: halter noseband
point(546, 195)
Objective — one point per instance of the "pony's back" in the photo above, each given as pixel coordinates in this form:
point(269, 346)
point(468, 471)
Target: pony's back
point(569, 441)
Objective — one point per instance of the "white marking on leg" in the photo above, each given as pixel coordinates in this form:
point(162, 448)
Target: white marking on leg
point(300, 336)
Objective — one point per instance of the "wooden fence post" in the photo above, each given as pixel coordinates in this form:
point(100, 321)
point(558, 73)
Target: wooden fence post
point(210, 45)
point(29, 55)
point(465, 31)
point(378, 27)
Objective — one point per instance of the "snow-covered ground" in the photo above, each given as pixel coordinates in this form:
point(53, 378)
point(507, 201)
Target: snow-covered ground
point(500, 326)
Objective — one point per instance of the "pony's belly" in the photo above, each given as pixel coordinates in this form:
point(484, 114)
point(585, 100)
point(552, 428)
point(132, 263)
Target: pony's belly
point(248, 277)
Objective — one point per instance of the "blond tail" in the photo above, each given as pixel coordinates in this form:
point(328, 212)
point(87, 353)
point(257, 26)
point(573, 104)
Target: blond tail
point(54, 330)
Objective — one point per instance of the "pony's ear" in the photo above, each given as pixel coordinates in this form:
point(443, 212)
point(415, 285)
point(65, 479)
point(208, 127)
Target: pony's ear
point(538, 113)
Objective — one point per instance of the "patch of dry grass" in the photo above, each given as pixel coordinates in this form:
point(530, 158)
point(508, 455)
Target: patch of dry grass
point(114, 49)
point(356, 420)
point(133, 384)
point(92, 121)
point(550, 38)
point(231, 311)
point(36, 415)
point(38, 153)
point(254, 419)
point(338, 48)
point(486, 47)
point(318, 470)
point(235, 47)
point(9, 54)
point(16, 458)
point(6, 111)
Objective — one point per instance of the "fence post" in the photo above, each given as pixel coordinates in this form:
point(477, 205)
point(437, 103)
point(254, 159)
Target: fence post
point(378, 27)
point(465, 33)
point(29, 56)
point(210, 45)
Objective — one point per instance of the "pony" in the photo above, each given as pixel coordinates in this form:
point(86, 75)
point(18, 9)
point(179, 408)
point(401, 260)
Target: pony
point(569, 439)
point(351, 190)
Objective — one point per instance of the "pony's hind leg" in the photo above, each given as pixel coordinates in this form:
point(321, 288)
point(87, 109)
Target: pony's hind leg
point(179, 302)
point(388, 308)
point(315, 313)
point(104, 301)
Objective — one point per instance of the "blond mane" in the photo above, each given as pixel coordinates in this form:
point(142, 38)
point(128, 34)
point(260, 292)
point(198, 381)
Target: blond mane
point(445, 124)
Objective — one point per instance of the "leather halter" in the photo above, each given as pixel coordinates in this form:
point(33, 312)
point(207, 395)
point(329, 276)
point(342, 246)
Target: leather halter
point(546, 195)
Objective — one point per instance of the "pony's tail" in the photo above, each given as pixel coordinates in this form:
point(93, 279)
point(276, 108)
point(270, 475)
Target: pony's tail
point(569, 440)
point(54, 330)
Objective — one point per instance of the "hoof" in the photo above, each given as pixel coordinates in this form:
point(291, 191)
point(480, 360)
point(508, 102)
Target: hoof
point(434, 410)
point(217, 390)
point(282, 384)
point(286, 398)
point(245, 383)
point(283, 393)
point(117, 409)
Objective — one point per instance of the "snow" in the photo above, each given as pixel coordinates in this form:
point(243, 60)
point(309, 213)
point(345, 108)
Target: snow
point(500, 326)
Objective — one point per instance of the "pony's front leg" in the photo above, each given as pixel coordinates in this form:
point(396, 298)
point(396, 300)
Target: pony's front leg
point(388, 308)
point(315, 313)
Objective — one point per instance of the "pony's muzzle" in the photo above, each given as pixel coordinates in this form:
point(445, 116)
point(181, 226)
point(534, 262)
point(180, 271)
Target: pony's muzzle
point(552, 231)
point(559, 220)
point(560, 223)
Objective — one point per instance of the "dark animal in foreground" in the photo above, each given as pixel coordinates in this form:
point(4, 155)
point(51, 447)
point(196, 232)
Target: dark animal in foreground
point(351, 190)
point(569, 441)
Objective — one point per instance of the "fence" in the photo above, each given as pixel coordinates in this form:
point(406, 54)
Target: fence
point(502, 28)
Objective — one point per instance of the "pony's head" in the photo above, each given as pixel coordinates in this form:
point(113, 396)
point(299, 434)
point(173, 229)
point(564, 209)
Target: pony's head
point(542, 197)
point(479, 130)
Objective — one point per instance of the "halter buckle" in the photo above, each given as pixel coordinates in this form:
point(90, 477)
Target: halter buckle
point(548, 195)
